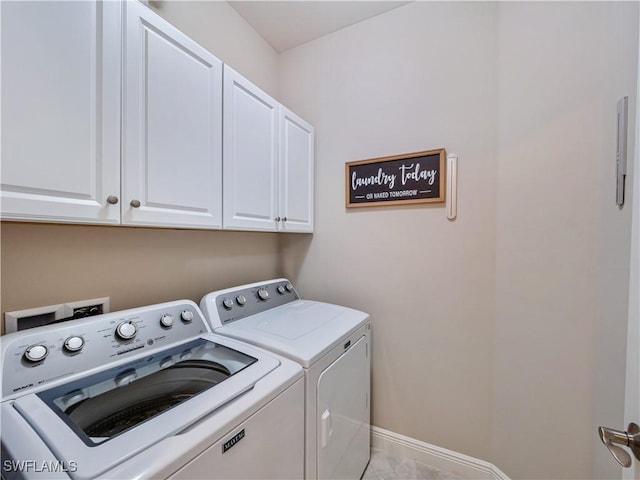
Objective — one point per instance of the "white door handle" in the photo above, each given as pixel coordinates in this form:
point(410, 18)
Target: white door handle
point(326, 428)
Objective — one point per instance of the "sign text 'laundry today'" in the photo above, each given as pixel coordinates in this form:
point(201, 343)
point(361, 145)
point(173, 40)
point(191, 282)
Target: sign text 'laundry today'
point(409, 178)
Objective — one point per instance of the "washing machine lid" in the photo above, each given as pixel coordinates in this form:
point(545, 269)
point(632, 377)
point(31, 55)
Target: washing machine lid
point(302, 330)
point(108, 417)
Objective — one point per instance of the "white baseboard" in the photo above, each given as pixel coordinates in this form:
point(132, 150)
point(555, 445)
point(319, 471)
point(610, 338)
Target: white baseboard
point(436, 457)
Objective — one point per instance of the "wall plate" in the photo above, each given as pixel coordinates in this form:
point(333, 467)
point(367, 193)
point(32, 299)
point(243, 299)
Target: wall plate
point(39, 316)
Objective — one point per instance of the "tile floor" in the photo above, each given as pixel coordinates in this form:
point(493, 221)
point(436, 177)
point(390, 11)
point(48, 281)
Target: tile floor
point(385, 467)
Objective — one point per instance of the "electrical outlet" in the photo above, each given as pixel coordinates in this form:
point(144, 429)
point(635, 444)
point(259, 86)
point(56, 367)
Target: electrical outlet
point(37, 317)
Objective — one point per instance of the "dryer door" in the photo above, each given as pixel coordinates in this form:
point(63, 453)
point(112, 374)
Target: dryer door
point(344, 414)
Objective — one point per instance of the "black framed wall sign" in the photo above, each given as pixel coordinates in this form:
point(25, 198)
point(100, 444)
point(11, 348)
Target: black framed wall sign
point(400, 179)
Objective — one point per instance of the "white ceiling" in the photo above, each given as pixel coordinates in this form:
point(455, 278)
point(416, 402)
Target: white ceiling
point(286, 24)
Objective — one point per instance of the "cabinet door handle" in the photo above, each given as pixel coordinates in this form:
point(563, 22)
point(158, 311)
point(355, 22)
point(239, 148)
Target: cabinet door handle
point(284, 219)
point(277, 219)
point(112, 199)
point(135, 203)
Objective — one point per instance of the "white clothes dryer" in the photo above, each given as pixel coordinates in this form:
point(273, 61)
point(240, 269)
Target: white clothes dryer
point(149, 392)
point(332, 344)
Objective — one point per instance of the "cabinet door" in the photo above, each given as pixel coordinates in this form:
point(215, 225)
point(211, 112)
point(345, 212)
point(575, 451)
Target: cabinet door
point(250, 155)
point(296, 173)
point(343, 414)
point(172, 155)
point(61, 111)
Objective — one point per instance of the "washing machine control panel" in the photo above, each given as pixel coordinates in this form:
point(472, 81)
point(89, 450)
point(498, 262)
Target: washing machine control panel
point(37, 356)
point(234, 305)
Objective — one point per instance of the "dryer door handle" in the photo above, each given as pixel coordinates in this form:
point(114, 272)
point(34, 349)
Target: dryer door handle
point(326, 428)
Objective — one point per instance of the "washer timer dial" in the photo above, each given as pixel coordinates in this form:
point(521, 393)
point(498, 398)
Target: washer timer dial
point(126, 330)
point(263, 294)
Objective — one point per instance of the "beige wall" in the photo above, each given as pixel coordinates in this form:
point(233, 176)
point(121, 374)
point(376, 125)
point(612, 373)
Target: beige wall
point(499, 335)
point(403, 82)
point(562, 243)
point(49, 264)
point(218, 27)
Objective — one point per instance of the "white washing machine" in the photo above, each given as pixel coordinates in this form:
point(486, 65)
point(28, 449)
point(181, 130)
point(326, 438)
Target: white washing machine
point(332, 343)
point(147, 392)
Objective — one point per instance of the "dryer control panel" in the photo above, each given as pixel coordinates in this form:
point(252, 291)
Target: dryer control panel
point(234, 304)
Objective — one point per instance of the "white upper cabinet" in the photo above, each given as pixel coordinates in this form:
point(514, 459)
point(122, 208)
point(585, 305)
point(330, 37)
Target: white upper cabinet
point(111, 115)
point(267, 161)
point(296, 173)
point(250, 155)
point(172, 132)
point(61, 111)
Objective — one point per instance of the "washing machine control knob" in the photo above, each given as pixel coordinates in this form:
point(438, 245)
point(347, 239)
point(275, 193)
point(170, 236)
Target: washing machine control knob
point(74, 344)
point(227, 303)
point(126, 330)
point(281, 290)
point(36, 353)
point(289, 287)
point(241, 300)
point(263, 294)
point(166, 320)
point(186, 316)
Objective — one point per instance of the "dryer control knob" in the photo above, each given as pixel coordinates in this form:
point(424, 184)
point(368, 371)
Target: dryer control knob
point(227, 303)
point(166, 320)
point(126, 330)
point(36, 353)
point(186, 316)
point(74, 344)
point(263, 294)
